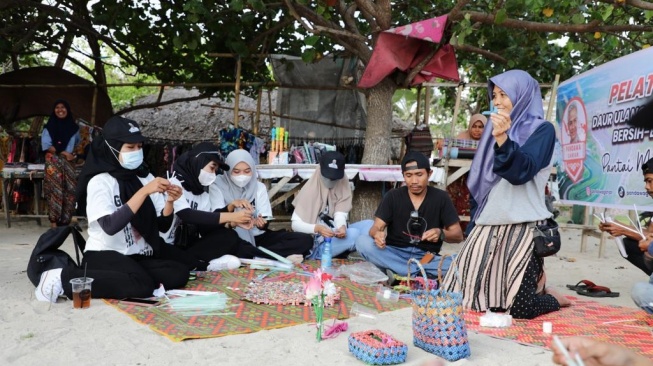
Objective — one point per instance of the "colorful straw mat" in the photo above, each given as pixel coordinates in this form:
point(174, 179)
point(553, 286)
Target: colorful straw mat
point(629, 327)
point(247, 317)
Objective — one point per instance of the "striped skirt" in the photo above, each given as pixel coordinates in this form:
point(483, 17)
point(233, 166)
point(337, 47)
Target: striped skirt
point(490, 266)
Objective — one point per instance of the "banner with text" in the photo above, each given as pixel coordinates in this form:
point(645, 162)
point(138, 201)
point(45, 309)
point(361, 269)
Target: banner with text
point(602, 155)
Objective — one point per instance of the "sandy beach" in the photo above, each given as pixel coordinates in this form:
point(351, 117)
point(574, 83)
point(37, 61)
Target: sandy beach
point(37, 333)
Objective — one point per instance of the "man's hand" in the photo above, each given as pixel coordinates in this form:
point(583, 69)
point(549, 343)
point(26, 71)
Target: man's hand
point(379, 239)
point(432, 235)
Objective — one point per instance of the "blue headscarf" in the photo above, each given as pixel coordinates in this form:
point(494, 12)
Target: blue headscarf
point(527, 115)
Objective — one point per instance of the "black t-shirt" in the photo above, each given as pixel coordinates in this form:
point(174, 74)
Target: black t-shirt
point(395, 208)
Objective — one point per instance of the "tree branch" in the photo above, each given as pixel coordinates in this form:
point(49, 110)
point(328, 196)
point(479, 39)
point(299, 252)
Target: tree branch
point(160, 104)
point(369, 12)
point(383, 14)
point(644, 5)
point(347, 14)
point(593, 26)
point(485, 53)
point(416, 70)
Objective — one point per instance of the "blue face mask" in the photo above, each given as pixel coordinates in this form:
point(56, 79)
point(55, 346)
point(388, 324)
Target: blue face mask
point(130, 160)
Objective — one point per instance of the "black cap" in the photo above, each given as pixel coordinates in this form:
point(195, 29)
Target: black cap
point(210, 152)
point(421, 160)
point(647, 168)
point(332, 165)
point(122, 129)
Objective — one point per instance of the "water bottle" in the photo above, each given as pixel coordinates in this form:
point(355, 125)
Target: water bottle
point(326, 255)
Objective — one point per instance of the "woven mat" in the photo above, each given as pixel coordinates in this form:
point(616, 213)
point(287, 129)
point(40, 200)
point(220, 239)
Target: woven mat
point(629, 327)
point(248, 317)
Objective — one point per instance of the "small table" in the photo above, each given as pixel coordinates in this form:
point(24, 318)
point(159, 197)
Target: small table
point(34, 175)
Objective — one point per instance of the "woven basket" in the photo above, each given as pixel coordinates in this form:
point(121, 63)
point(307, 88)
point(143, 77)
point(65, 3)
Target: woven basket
point(438, 320)
point(375, 347)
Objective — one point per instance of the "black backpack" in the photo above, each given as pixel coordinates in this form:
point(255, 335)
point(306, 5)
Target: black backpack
point(47, 255)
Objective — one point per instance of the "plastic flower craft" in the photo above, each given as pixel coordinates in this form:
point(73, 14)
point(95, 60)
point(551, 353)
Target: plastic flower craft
point(317, 289)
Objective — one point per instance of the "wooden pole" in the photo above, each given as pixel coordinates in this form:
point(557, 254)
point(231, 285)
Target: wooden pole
point(427, 105)
point(552, 98)
point(257, 120)
point(270, 108)
point(239, 66)
point(94, 107)
point(456, 110)
point(419, 105)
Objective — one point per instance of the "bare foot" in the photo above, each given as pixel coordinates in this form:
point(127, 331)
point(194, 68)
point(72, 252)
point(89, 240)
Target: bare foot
point(562, 299)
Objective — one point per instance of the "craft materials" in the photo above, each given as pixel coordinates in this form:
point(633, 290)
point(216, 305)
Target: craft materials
point(385, 294)
point(547, 327)
point(495, 320)
point(375, 347)
point(282, 293)
point(275, 255)
point(213, 304)
point(570, 361)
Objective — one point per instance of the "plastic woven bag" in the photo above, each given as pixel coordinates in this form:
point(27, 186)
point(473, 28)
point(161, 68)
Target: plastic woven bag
point(438, 319)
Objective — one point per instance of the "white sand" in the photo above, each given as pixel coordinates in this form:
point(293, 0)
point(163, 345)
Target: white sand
point(33, 333)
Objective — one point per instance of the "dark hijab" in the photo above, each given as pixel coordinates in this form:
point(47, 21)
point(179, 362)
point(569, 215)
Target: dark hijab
point(101, 159)
point(61, 130)
point(188, 166)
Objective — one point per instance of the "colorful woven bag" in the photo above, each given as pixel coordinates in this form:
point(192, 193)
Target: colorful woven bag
point(375, 347)
point(438, 319)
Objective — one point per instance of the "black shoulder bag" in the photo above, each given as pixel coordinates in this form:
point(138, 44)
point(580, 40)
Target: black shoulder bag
point(546, 238)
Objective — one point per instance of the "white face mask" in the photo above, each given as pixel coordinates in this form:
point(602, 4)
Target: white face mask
point(241, 180)
point(130, 159)
point(328, 182)
point(206, 178)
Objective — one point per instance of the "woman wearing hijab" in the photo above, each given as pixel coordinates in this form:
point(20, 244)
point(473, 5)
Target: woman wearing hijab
point(475, 129)
point(241, 183)
point(58, 141)
point(127, 209)
point(322, 207)
point(212, 243)
point(458, 190)
point(497, 269)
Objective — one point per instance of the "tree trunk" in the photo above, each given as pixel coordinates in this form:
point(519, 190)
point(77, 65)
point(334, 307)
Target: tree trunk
point(377, 148)
point(379, 122)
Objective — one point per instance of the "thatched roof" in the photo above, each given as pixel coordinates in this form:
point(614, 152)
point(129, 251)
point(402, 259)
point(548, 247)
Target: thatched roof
point(198, 120)
point(202, 119)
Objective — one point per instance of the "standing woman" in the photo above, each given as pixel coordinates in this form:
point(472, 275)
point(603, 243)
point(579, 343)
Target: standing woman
point(58, 141)
point(497, 269)
point(241, 183)
point(127, 209)
point(322, 207)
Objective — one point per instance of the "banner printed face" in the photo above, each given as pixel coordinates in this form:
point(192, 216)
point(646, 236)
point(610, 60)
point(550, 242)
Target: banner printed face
point(601, 155)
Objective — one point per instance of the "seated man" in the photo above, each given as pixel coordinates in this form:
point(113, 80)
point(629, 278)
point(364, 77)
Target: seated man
point(639, 250)
point(418, 218)
point(636, 247)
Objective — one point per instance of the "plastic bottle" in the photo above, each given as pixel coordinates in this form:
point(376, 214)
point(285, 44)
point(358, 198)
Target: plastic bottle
point(326, 255)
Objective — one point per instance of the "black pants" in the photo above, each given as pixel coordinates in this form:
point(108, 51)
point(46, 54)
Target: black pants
point(528, 304)
point(282, 242)
point(214, 244)
point(116, 276)
point(636, 256)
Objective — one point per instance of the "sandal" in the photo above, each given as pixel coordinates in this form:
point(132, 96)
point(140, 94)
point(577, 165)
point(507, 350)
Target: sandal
point(597, 291)
point(581, 285)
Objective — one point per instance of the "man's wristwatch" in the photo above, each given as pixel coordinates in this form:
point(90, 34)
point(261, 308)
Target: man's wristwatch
point(441, 235)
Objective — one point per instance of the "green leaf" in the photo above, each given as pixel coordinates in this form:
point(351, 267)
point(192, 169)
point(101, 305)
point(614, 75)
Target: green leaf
point(501, 16)
point(177, 42)
point(607, 12)
point(236, 5)
point(312, 40)
point(578, 19)
point(309, 55)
